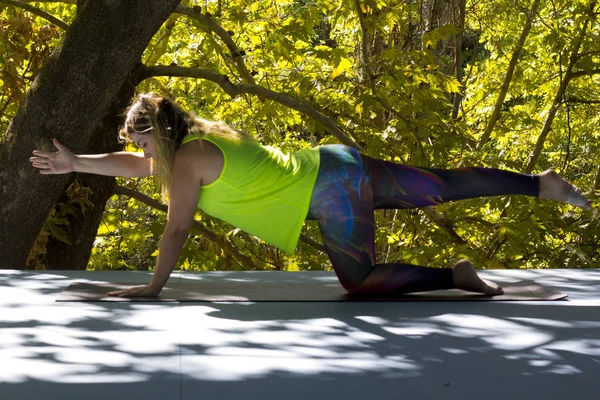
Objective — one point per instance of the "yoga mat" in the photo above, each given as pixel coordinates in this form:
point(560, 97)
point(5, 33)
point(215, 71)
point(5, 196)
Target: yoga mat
point(203, 291)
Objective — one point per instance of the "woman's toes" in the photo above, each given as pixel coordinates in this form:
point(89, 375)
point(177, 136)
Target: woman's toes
point(492, 288)
point(466, 278)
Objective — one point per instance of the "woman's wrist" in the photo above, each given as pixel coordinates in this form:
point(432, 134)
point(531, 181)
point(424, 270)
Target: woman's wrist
point(75, 167)
point(155, 285)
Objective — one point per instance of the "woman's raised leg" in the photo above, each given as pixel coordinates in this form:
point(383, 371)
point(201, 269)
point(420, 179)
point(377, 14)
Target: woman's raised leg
point(405, 186)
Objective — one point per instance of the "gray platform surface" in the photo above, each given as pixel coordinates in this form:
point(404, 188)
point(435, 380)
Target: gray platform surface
point(329, 350)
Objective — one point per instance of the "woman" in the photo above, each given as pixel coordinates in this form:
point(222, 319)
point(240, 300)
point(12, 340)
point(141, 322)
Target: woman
point(269, 194)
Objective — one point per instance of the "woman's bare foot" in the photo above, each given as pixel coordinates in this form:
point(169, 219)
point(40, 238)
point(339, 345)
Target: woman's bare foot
point(466, 278)
point(553, 187)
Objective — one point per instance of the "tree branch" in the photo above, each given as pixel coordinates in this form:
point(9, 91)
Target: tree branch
point(161, 46)
point(212, 26)
point(444, 224)
point(458, 70)
point(367, 67)
point(74, 2)
point(235, 90)
point(508, 76)
point(163, 41)
point(37, 11)
point(582, 101)
point(587, 53)
point(365, 46)
point(313, 243)
point(558, 98)
point(578, 74)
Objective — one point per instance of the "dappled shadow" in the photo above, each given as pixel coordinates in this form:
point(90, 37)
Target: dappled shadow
point(82, 350)
point(294, 349)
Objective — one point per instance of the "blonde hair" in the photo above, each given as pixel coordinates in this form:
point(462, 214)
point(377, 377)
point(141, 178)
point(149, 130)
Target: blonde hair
point(168, 123)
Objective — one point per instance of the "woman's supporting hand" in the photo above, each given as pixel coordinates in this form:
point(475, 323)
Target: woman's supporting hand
point(60, 162)
point(138, 291)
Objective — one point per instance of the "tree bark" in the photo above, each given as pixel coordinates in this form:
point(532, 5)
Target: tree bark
point(508, 77)
point(67, 100)
point(83, 230)
point(80, 4)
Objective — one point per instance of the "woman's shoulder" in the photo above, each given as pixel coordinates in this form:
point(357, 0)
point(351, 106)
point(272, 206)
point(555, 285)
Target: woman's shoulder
point(203, 158)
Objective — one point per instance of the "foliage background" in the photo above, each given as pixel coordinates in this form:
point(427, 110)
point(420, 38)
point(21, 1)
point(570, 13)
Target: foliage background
point(405, 101)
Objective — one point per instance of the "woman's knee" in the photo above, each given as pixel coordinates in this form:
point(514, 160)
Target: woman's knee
point(352, 275)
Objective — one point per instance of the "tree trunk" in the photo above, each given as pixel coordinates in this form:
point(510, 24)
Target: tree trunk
point(67, 100)
point(458, 38)
point(562, 87)
point(82, 231)
point(508, 77)
point(80, 4)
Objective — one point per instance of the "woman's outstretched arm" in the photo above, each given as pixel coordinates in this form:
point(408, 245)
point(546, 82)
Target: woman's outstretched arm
point(63, 161)
point(122, 163)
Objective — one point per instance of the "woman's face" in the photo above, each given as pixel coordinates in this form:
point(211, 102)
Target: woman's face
point(145, 142)
point(138, 128)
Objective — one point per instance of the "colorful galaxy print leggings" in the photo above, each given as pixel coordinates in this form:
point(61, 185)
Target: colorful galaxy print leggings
point(350, 185)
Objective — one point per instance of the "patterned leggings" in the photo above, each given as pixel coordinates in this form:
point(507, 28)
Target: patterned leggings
point(350, 185)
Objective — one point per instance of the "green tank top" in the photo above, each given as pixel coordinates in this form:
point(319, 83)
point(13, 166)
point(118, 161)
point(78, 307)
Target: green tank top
point(261, 190)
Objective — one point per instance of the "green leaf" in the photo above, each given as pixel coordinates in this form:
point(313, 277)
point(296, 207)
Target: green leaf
point(344, 65)
point(58, 233)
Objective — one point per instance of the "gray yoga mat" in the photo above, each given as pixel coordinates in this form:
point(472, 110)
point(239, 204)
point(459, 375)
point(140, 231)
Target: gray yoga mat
point(286, 291)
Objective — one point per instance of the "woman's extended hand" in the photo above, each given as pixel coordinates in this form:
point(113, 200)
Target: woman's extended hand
point(138, 291)
point(60, 162)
